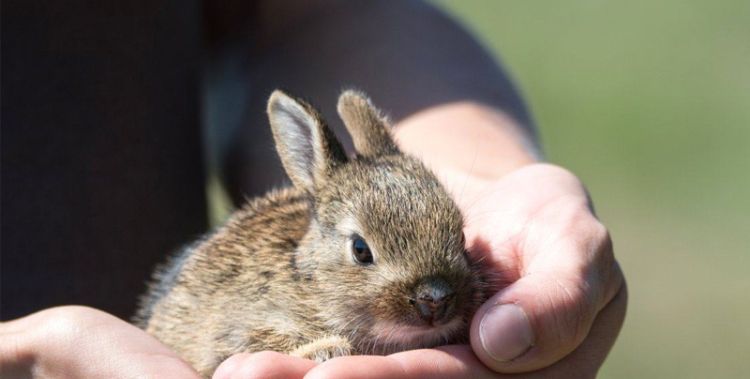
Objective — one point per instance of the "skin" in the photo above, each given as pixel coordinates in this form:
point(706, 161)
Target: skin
point(533, 221)
point(82, 342)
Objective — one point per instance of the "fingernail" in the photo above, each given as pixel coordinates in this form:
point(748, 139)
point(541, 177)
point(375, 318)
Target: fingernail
point(505, 332)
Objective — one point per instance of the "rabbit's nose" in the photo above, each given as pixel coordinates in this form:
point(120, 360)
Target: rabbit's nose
point(433, 299)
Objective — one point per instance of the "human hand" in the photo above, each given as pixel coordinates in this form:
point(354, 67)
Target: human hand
point(82, 342)
point(561, 307)
point(565, 298)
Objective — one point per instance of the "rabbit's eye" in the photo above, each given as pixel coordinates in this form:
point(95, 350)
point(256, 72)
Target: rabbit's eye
point(360, 251)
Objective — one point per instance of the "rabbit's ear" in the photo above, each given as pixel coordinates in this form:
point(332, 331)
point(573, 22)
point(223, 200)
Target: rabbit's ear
point(308, 149)
point(368, 127)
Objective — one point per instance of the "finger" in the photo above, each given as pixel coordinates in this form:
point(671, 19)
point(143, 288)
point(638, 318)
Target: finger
point(16, 359)
point(104, 346)
point(264, 364)
point(16, 355)
point(459, 362)
point(455, 361)
point(548, 312)
point(586, 360)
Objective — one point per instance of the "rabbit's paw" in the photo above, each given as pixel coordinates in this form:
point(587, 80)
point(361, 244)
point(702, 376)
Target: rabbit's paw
point(324, 349)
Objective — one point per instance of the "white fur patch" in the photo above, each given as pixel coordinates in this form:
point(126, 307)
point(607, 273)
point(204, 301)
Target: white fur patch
point(349, 226)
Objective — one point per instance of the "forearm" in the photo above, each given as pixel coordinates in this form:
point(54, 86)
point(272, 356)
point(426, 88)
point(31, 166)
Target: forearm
point(415, 62)
point(467, 144)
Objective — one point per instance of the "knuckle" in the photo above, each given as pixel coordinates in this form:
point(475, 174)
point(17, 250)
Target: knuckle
point(572, 312)
point(260, 365)
point(602, 239)
point(572, 217)
point(615, 284)
point(558, 171)
point(15, 353)
point(601, 248)
point(227, 368)
point(607, 271)
point(67, 321)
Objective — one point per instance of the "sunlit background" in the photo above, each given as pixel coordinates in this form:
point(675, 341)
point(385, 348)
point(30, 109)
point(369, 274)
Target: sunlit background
point(649, 103)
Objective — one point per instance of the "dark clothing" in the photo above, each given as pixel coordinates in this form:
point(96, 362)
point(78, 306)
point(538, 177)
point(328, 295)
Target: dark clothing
point(102, 145)
point(101, 148)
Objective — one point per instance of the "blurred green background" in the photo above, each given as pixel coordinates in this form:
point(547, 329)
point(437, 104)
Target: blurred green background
point(649, 103)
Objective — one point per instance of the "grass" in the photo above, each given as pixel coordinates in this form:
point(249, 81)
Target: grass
point(649, 102)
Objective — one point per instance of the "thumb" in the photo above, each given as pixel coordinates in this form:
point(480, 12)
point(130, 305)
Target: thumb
point(541, 318)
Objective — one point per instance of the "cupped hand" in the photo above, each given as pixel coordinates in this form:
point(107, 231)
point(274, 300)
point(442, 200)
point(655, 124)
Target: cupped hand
point(82, 342)
point(564, 296)
point(561, 301)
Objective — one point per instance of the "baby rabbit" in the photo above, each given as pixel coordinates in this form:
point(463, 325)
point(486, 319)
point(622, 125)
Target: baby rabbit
point(363, 255)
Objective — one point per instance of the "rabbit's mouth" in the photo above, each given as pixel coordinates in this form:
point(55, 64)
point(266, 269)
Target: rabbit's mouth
point(404, 336)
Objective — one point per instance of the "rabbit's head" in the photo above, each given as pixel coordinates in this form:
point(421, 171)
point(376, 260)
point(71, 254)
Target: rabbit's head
point(384, 256)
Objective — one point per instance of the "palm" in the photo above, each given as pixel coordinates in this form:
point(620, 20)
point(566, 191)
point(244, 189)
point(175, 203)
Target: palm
point(545, 250)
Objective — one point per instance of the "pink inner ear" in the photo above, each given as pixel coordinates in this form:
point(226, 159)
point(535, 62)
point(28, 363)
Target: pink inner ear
point(307, 148)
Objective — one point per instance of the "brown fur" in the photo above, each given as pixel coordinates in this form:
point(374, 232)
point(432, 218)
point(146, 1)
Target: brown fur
point(279, 275)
